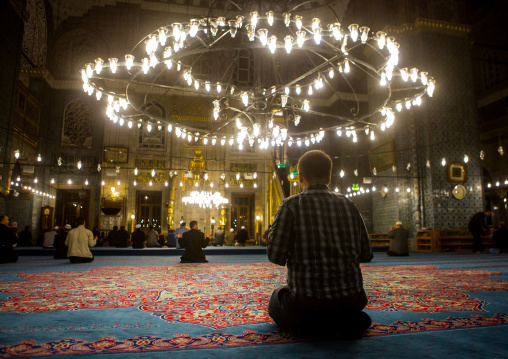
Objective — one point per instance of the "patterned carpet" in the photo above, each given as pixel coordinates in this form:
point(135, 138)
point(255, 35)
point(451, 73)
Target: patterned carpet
point(215, 305)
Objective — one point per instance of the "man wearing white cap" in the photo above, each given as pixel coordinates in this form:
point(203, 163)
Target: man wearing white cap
point(399, 237)
point(242, 236)
point(59, 244)
point(138, 237)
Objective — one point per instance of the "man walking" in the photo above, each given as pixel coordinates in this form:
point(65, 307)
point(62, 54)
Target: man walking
point(321, 237)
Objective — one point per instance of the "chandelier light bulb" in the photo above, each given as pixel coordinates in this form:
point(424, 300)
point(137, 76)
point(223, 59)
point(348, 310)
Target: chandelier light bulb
point(331, 73)
point(300, 38)
point(443, 162)
point(146, 65)
point(272, 44)
point(232, 28)
point(153, 172)
point(306, 105)
point(430, 86)
point(89, 70)
point(238, 176)
point(414, 74)
point(353, 32)
point(254, 18)
point(69, 181)
point(346, 66)
point(263, 36)
point(298, 89)
point(317, 35)
point(269, 17)
point(79, 165)
point(404, 74)
point(223, 141)
point(364, 30)
point(482, 154)
point(500, 150)
point(288, 43)
point(335, 28)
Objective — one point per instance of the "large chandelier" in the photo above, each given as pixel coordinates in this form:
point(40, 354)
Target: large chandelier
point(205, 199)
point(268, 77)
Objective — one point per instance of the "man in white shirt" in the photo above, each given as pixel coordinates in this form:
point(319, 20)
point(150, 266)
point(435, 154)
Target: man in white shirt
point(49, 238)
point(79, 240)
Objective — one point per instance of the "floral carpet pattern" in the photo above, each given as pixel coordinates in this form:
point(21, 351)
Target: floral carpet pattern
point(218, 296)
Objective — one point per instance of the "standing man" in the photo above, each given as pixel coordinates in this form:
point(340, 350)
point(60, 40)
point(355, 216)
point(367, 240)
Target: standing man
point(193, 242)
point(478, 226)
point(321, 237)
point(179, 232)
point(218, 237)
point(7, 242)
point(78, 241)
point(399, 236)
point(242, 236)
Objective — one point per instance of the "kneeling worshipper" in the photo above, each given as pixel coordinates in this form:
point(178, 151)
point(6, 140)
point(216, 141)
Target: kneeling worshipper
point(79, 240)
point(500, 239)
point(59, 244)
point(399, 236)
point(7, 242)
point(193, 241)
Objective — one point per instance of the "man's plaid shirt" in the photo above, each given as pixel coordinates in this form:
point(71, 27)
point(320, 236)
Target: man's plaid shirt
point(321, 237)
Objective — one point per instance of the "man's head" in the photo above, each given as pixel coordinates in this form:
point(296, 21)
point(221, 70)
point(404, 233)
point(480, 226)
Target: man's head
point(151, 227)
point(122, 227)
point(184, 224)
point(193, 224)
point(67, 227)
point(138, 226)
point(4, 220)
point(115, 228)
point(219, 228)
point(80, 221)
point(398, 224)
point(314, 167)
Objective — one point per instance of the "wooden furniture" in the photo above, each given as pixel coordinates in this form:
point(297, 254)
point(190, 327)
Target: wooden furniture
point(439, 240)
point(379, 240)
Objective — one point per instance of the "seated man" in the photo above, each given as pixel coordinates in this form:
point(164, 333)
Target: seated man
point(78, 241)
point(138, 237)
point(193, 241)
point(321, 237)
point(399, 236)
point(122, 238)
point(500, 239)
point(7, 242)
point(59, 244)
point(152, 237)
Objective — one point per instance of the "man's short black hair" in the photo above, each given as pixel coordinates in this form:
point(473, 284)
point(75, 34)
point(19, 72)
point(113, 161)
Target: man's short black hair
point(115, 228)
point(192, 224)
point(80, 221)
point(183, 224)
point(315, 166)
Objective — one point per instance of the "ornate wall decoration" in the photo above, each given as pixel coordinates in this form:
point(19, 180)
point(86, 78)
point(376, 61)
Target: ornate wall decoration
point(78, 123)
point(35, 39)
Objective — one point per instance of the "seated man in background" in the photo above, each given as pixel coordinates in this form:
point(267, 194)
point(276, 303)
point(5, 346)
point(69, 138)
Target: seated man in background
point(59, 244)
point(193, 241)
point(321, 237)
point(152, 237)
point(500, 239)
point(7, 242)
point(138, 237)
point(122, 238)
point(399, 236)
point(78, 241)
point(218, 237)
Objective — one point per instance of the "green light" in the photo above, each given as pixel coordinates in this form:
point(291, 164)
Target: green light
point(355, 187)
point(281, 165)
